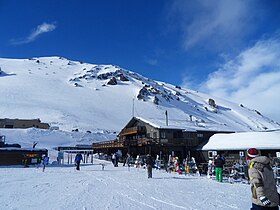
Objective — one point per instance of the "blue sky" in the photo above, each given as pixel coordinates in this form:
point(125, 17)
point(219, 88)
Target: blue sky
point(230, 49)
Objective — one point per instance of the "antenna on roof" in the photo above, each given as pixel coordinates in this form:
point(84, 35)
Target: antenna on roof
point(133, 107)
point(166, 117)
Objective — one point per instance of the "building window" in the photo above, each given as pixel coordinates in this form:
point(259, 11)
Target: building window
point(155, 135)
point(162, 135)
point(178, 134)
point(200, 135)
point(9, 126)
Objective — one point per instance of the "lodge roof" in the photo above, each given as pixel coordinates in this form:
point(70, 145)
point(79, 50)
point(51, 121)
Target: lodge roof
point(244, 140)
point(179, 124)
point(21, 149)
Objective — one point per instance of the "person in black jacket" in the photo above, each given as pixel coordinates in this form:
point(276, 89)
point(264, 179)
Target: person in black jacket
point(219, 164)
point(149, 163)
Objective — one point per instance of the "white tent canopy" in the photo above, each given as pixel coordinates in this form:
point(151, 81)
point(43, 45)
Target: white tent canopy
point(242, 141)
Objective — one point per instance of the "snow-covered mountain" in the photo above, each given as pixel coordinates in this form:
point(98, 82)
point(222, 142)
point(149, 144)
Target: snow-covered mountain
point(72, 94)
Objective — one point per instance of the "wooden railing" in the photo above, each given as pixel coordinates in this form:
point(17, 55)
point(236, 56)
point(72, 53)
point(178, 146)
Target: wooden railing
point(132, 130)
point(108, 144)
point(141, 142)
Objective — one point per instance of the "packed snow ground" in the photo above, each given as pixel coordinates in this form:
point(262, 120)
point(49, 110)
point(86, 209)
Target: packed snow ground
point(115, 188)
point(69, 95)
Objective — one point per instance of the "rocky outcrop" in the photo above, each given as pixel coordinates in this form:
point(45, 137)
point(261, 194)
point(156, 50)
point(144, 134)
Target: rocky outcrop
point(123, 78)
point(212, 103)
point(142, 93)
point(156, 100)
point(113, 81)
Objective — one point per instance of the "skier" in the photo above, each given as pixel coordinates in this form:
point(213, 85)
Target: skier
point(263, 186)
point(193, 166)
point(127, 160)
point(117, 160)
point(157, 163)
point(170, 164)
point(210, 170)
point(219, 163)
point(45, 161)
point(78, 160)
point(138, 161)
point(149, 163)
point(114, 159)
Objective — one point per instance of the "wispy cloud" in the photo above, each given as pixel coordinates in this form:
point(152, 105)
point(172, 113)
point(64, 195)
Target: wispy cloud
point(153, 62)
point(212, 24)
point(252, 78)
point(41, 29)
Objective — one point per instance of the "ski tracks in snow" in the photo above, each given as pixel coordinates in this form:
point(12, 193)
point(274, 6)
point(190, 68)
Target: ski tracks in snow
point(115, 188)
point(143, 200)
point(137, 201)
point(170, 204)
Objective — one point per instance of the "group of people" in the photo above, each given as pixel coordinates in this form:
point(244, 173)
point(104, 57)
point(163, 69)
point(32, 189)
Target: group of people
point(261, 176)
point(263, 185)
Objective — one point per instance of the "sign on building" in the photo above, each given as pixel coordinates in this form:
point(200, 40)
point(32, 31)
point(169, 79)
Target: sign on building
point(212, 154)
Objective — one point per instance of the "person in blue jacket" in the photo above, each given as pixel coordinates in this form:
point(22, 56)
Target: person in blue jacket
point(78, 160)
point(45, 162)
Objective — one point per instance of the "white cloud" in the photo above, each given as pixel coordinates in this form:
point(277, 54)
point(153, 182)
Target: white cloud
point(41, 29)
point(252, 78)
point(210, 23)
point(153, 62)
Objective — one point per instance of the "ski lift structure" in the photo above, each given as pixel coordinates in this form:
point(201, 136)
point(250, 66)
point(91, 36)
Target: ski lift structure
point(66, 154)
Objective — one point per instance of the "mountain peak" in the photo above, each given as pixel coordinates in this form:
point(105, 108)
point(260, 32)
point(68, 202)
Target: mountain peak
point(74, 94)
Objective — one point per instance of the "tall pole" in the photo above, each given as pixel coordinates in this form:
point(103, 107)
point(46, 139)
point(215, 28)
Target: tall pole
point(166, 116)
point(133, 107)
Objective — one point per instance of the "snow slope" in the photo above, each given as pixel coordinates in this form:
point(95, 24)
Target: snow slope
point(51, 139)
point(72, 94)
point(60, 188)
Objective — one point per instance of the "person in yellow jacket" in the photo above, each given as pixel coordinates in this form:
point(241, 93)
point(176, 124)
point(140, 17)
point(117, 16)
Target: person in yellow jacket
point(263, 185)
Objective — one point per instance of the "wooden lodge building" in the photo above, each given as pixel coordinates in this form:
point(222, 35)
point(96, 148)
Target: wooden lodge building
point(140, 136)
point(23, 123)
point(13, 154)
point(21, 156)
point(234, 146)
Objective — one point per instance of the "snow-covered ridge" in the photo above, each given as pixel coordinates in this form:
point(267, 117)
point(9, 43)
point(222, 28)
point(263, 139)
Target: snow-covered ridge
point(74, 94)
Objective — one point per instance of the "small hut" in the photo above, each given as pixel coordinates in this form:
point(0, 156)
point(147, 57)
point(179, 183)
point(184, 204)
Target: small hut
point(234, 146)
